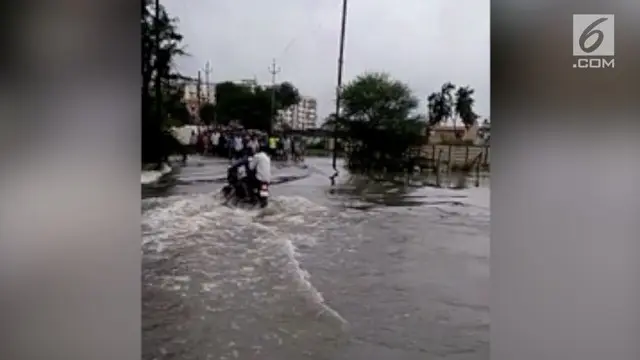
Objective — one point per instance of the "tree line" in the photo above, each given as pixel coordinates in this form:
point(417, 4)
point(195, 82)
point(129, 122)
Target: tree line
point(161, 44)
point(381, 127)
point(252, 105)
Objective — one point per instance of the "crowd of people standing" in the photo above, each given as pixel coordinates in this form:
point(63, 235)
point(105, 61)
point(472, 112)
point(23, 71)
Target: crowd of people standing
point(233, 143)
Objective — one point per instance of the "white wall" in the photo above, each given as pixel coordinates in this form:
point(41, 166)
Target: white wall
point(183, 133)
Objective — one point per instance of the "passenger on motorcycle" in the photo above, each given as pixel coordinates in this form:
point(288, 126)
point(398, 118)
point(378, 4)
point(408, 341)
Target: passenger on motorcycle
point(259, 169)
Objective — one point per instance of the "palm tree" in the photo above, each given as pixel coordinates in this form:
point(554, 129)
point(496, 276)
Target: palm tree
point(434, 113)
point(448, 102)
point(437, 111)
point(464, 106)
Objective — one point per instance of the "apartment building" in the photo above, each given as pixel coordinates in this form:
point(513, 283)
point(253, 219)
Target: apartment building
point(301, 116)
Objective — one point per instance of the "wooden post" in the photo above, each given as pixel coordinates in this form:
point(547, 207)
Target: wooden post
point(466, 155)
point(485, 162)
point(437, 168)
point(478, 170)
point(449, 161)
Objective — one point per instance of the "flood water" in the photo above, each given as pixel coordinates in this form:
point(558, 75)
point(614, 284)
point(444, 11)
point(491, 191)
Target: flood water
point(370, 271)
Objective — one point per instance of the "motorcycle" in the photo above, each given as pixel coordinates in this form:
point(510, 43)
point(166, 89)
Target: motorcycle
point(240, 194)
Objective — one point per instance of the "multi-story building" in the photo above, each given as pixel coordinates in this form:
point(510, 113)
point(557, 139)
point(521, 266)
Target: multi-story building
point(193, 98)
point(301, 116)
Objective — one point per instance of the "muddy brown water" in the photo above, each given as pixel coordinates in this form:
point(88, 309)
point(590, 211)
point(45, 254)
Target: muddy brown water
point(373, 271)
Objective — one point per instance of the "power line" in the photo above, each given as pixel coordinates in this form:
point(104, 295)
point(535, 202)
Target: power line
point(300, 33)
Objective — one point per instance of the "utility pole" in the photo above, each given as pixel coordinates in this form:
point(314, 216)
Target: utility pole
point(273, 70)
point(343, 27)
point(199, 96)
point(207, 81)
point(158, 79)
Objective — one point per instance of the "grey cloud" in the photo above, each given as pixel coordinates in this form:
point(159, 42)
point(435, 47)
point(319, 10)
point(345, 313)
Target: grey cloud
point(423, 43)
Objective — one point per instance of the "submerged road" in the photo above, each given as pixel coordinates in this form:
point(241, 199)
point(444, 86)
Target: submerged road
point(365, 272)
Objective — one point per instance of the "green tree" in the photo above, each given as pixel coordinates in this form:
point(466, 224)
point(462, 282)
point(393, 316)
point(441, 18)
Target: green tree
point(178, 116)
point(208, 113)
point(464, 106)
point(448, 102)
point(161, 44)
point(332, 123)
point(381, 128)
point(251, 105)
point(435, 112)
point(230, 98)
point(438, 111)
point(174, 107)
point(286, 95)
point(256, 112)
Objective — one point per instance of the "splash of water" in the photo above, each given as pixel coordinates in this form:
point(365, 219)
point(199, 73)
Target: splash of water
point(233, 244)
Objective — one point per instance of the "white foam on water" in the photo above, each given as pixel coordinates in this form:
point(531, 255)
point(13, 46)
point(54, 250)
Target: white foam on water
point(228, 245)
point(285, 206)
point(304, 282)
point(150, 177)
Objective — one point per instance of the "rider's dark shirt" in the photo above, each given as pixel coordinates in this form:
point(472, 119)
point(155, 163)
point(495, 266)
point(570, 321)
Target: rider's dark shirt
point(243, 161)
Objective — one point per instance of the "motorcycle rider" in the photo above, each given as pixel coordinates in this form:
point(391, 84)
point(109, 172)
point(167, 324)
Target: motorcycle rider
point(239, 175)
point(259, 169)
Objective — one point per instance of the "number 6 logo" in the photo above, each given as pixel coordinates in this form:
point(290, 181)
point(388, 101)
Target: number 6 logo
point(590, 31)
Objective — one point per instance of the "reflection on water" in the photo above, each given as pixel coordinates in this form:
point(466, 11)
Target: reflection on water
point(400, 192)
point(362, 271)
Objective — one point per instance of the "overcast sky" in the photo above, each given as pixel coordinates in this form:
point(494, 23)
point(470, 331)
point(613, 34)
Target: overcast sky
point(421, 42)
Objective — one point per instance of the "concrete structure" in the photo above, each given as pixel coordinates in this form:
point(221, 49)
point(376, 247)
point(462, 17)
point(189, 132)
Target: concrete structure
point(301, 116)
point(183, 133)
point(447, 134)
point(484, 132)
point(190, 96)
point(207, 92)
point(252, 83)
point(193, 108)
